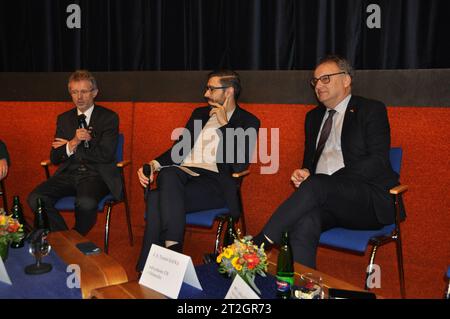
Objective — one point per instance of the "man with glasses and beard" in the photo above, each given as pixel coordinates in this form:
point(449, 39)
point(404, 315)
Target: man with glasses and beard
point(346, 173)
point(199, 176)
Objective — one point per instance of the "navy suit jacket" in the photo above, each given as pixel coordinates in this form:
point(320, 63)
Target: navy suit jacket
point(231, 164)
point(101, 155)
point(365, 142)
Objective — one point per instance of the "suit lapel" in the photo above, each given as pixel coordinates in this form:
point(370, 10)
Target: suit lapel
point(350, 114)
point(73, 123)
point(236, 117)
point(94, 116)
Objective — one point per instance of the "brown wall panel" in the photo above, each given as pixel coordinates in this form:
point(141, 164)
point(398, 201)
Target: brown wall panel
point(393, 87)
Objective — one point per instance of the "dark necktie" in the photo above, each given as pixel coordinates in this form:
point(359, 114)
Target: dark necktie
point(82, 121)
point(326, 129)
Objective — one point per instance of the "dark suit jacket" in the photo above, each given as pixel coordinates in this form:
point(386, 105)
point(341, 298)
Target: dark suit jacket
point(101, 154)
point(365, 143)
point(4, 152)
point(236, 162)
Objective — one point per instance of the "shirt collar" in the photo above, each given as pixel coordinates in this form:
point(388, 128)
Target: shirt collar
point(342, 106)
point(88, 113)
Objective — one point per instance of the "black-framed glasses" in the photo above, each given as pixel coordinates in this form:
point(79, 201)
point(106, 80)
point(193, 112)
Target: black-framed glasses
point(212, 88)
point(325, 79)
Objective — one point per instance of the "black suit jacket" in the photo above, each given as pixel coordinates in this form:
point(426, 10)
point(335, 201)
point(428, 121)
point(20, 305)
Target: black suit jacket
point(365, 142)
point(4, 152)
point(101, 154)
point(236, 162)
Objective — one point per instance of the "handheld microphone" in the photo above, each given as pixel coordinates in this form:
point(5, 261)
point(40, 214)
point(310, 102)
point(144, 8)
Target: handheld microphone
point(82, 124)
point(147, 170)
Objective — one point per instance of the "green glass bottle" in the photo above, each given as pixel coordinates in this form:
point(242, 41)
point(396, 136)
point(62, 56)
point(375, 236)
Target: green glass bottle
point(41, 218)
point(285, 268)
point(17, 213)
point(230, 234)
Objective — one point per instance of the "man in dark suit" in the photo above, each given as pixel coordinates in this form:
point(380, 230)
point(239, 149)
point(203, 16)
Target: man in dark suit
point(217, 141)
point(4, 160)
point(346, 173)
point(84, 147)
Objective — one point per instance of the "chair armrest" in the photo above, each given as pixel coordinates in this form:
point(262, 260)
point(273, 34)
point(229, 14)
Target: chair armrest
point(46, 163)
point(397, 190)
point(240, 174)
point(123, 164)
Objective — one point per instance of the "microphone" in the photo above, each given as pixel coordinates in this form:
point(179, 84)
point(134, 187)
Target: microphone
point(82, 124)
point(147, 170)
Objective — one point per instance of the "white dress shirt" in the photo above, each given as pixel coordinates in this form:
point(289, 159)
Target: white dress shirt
point(331, 158)
point(204, 153)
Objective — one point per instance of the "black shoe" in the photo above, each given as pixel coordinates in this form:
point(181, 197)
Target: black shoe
point(178, 247)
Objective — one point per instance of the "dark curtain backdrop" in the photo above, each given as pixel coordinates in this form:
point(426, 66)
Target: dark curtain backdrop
point(240, 34)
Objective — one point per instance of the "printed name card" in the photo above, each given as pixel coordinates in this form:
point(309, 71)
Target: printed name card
point(240, 290)
point(4, 274)
point(166, 270)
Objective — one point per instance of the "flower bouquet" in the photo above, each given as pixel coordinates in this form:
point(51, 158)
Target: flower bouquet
point(10, 231)
point(245, 259)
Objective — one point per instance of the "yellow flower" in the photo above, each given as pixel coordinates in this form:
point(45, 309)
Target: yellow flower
point(219, 258)
point(3, 220)
point(228, 253)
point(236, 264)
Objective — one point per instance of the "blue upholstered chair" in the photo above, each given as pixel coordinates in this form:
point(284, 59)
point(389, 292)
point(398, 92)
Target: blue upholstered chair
point(68, 203)
point(206, 218)
point(358, 240)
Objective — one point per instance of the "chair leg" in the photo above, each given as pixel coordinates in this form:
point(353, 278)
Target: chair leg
point(401, 273)
point(130, 230)
point(108, 219)
point(370, 267)
point(127, 211)
point(218, 234)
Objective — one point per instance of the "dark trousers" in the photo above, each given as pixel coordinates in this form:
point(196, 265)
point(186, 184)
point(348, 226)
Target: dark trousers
point(88, 189)
point(178, 193)
point(320, 203)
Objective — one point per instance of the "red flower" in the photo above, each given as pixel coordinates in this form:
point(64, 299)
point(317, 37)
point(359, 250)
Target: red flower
point(12, 228)
point(252, 260)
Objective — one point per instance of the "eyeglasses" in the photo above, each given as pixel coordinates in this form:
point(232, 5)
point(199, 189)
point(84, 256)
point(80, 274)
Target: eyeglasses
point(82, 92)
point(212, 88)
point(325, 79)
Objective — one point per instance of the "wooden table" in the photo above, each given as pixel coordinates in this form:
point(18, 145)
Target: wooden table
point(133, 290)
point(96, 270)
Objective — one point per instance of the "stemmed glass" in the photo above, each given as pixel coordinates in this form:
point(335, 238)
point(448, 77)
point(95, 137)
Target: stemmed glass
point(39, 248)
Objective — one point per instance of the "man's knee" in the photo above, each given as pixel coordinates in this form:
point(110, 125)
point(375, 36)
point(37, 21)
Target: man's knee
point(33, 197)
point(86, 203)
point(316, 182)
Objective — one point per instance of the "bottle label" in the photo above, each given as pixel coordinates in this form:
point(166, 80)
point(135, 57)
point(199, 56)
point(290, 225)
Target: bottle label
point(284, 283)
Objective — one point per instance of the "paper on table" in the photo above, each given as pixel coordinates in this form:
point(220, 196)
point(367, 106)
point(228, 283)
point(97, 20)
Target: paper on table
point(4, 277)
